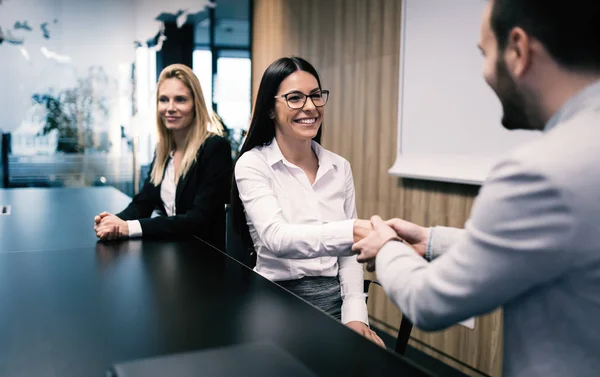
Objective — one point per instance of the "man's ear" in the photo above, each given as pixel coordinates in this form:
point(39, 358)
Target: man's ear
point(518, 52)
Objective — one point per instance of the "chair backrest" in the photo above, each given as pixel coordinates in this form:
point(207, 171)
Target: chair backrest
point(234, 243)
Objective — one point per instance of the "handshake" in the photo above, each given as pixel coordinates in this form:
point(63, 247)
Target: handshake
point(371, 235)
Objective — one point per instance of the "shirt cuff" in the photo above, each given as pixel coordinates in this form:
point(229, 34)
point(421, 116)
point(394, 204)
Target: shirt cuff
point(340, 233)
point(135, 228)
point(355, 309)
point(441, 238)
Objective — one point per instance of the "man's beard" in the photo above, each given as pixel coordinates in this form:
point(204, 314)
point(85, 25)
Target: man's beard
point(516, 114)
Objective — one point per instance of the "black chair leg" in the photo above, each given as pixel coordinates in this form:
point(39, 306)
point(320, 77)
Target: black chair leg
point(403, 335)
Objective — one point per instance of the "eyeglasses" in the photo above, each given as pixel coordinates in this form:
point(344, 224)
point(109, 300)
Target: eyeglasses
point(297, 100)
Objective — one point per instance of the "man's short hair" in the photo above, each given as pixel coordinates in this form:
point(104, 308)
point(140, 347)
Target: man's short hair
point(569, 30)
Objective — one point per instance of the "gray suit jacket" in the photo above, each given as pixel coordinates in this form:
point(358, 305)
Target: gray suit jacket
point(531, 245)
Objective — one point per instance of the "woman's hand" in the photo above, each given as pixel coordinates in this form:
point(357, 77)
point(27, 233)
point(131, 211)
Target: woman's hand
point(365, 331)
point(110, 227)
point(361, 229)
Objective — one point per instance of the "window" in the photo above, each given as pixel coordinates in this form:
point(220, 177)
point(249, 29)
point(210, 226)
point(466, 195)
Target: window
point(202, 67)
point(232, 88)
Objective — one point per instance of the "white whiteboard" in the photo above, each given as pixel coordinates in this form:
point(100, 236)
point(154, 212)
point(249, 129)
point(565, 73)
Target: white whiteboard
point(448, 118)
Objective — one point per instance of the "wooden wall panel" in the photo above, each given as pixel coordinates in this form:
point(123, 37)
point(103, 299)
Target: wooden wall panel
point(354, 44)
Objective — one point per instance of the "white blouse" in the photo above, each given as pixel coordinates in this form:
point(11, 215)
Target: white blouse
point(299, 229)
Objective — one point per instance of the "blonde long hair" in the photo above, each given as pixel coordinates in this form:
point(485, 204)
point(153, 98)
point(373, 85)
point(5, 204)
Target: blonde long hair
point(204, 124)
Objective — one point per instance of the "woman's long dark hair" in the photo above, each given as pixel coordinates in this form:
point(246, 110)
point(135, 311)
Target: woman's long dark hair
point(262, 127)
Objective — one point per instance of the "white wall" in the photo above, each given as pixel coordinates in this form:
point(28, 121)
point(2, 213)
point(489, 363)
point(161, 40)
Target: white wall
point(449, 119)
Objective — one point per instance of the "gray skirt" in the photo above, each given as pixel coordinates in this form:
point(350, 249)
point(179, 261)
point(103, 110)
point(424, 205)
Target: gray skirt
point(324, 292)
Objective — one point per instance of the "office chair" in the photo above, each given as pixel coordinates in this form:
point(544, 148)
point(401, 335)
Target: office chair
point(244, 252)
point(405, 325)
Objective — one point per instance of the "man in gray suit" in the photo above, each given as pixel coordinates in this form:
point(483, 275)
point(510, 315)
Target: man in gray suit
point(532, 242)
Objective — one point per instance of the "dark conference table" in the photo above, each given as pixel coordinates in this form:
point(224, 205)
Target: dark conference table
point(53, 219)
point(77, 310)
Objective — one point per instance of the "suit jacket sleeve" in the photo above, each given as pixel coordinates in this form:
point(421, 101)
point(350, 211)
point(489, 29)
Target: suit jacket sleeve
point(214, 164)
point(441, 238)
point(516, 240)
point(144, 202)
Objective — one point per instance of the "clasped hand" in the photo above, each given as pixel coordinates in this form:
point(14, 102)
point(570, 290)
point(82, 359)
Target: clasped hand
point(371, 236)
point(109, 227)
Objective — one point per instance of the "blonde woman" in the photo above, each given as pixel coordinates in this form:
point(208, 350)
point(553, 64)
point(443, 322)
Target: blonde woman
point(190, 176)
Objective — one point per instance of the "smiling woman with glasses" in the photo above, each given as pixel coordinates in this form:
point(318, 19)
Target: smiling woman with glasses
point(293, 201)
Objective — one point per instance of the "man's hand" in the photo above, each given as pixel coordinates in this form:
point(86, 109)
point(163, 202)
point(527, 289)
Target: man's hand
point(365, 331)
point(362, 228)
point(368, 248)
point(415, 235)
point(110, 227)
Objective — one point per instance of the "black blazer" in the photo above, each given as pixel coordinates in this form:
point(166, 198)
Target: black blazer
point(200, 198)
